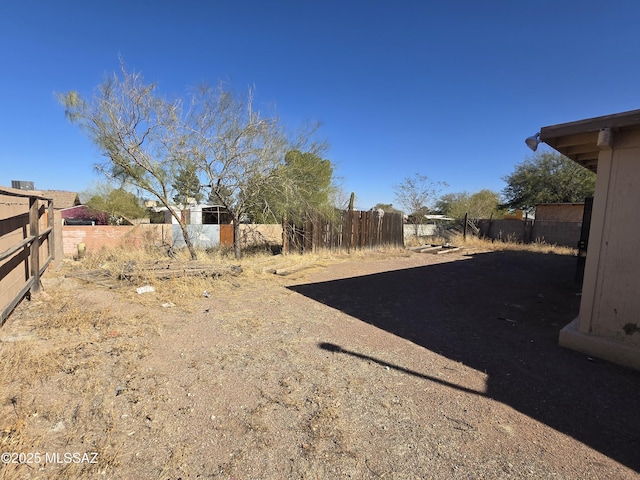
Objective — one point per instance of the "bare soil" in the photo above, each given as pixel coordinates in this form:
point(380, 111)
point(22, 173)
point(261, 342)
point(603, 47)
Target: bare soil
point(385, 365)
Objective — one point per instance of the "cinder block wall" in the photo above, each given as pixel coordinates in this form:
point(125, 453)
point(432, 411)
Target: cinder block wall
point(423, 230)
point(559, 233)
point(504, 229)
point(565, 233)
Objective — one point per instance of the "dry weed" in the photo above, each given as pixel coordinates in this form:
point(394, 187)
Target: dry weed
point(485, 244)
point(539, 246)
point(64, 354)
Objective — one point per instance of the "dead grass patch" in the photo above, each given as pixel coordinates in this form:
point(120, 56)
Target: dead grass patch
point(484, 244)
point(538, 246)
point(64, 354)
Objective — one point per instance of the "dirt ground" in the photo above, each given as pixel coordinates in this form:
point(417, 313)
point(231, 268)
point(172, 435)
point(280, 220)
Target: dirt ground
point(394, 366)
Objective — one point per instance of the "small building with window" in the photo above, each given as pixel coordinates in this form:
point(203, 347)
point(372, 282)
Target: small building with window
point(193, 215)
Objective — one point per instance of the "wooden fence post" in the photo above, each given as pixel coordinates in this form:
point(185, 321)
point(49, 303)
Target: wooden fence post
point(489, 227)
point(285, 235)
point(464, 231)
point(34, 231)
point(50, 223)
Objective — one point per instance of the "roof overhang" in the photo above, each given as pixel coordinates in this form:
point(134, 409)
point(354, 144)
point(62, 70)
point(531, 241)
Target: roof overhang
point(583, 140)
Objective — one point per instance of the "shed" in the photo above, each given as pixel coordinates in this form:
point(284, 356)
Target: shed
point(608, 323)
point(197, 214)
point(209, 215)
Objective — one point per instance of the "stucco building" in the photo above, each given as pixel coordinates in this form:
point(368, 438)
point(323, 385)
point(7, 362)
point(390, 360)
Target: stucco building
point(608, 324)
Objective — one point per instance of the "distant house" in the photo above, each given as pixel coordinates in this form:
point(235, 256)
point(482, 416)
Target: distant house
point(62, 199)
point(209, 215)
point(196, 215)
point(207, 225)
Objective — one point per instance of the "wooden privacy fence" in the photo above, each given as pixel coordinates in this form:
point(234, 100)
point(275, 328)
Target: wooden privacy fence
point(348, 229)
point(26, 245)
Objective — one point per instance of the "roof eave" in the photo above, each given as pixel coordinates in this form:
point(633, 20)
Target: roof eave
point(579, 140)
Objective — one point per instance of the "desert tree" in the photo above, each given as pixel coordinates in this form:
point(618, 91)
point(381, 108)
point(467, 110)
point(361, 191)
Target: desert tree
point(241, 151)
point(339, 198)
point(302, 183)
point(140, 134)
point(116, 201)
point(187, 184)
point(476, 205)
point(416, 195)
point(386, 207)
point(215, 140)
point(547, 177)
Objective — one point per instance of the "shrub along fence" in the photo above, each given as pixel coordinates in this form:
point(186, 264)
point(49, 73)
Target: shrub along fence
point(26, 245)
point(347, 230)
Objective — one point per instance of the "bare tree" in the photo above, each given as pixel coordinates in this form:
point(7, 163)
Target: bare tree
point(139, 133)
point(239, 150)
point(339, 198)
point(416, 195)
point(221, 137)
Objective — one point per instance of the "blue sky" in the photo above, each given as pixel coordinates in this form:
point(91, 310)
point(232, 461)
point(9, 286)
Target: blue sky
point(447, 89)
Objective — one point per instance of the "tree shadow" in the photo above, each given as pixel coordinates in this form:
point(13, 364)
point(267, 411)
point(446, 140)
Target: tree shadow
point(501, 313)
point(332, 347)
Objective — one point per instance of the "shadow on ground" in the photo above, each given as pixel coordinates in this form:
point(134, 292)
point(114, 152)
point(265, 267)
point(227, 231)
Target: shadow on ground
point(501, 313)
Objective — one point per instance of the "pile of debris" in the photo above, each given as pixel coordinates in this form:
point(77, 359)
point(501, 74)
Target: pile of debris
point(435, 249)
point(172, 269)
point(158, 270)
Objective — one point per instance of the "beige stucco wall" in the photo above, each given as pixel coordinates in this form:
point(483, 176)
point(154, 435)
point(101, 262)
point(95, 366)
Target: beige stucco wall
point(610, 305)
point(98, 237)
point(258, 234)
